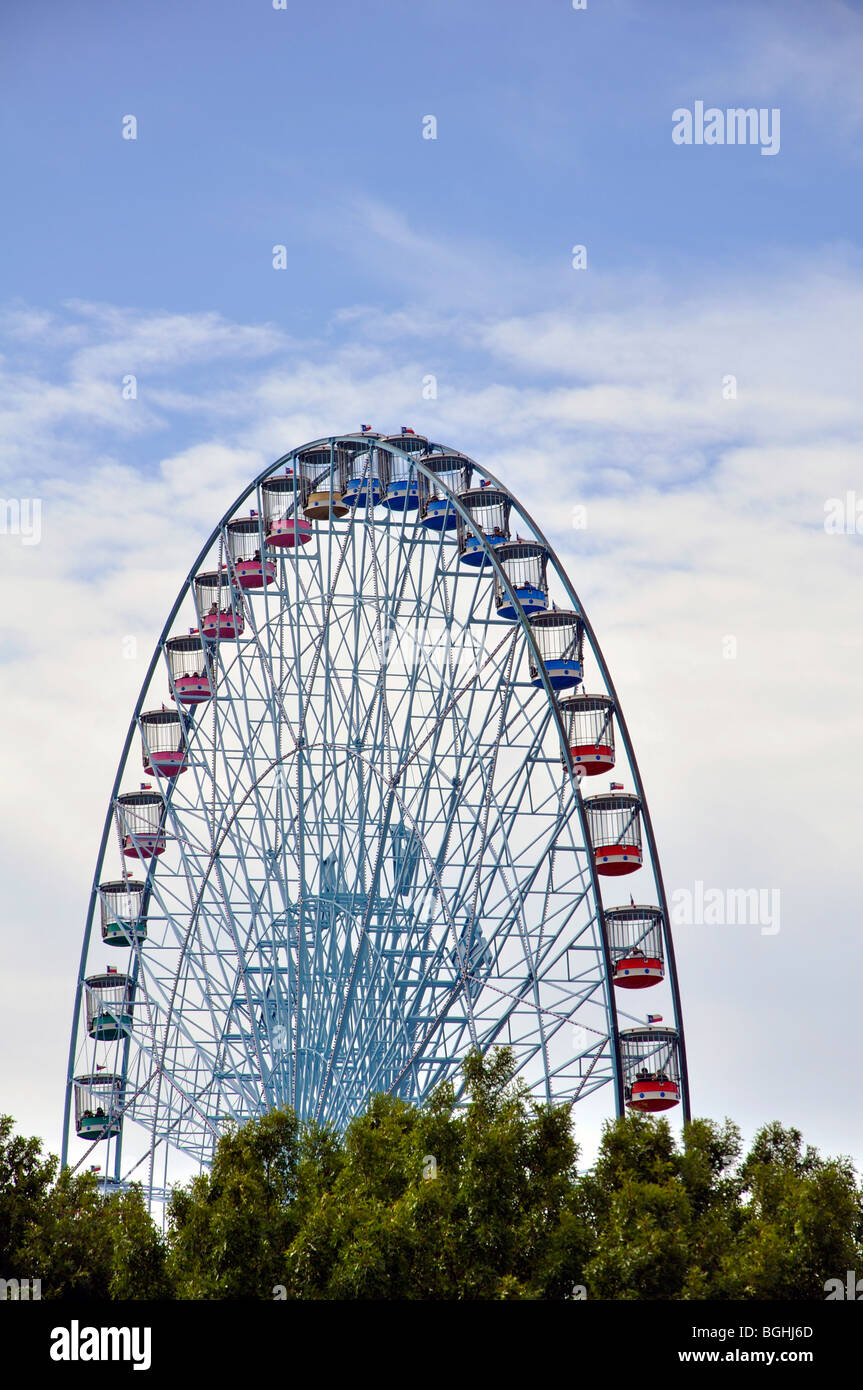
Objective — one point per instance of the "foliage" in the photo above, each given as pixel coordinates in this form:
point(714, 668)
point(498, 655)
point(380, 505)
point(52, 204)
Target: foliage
point(230, 1227)
point(476, 1200)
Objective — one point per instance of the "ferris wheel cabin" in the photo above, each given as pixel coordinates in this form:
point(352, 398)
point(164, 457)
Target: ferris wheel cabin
point(560, 639)
point(634, 937)
point(614, 820)
point(323, 470)
point(121, 905)
point(488, 508)
point(163, 743)
point(220, 609)
point(109, 1001)
point(524, 564)
point(140, 824)
point(190, 664)
point(402, 489)
point(436, 510)
point(282, 498)
point(651, 1068)
point(98, 1105)
point(589, 724)
point(368, 478)
point(252, 569)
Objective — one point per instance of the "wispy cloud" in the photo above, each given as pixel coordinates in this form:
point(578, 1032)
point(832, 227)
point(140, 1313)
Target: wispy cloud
point(704, 519)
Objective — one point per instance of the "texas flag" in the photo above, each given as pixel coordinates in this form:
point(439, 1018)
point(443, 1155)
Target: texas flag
point(365, 429)
point(617, 786)
point(111, 970)
point(405, 430)
point(654, 1018)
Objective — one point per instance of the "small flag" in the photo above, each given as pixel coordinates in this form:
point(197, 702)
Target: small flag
point(405, 430)
point(654, 1018)
point(95, 1167)
point(617, 786)
point(193, 631)
point(365, 429)
point(253, 513)
point(111, 970)
point(486, 482)
point(631, 901)
point(98, 1068)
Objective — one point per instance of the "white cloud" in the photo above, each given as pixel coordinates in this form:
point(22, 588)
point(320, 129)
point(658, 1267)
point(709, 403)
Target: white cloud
point(705, 518)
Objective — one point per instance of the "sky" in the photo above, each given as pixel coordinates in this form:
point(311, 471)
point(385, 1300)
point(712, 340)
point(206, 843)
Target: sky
point(691, 378)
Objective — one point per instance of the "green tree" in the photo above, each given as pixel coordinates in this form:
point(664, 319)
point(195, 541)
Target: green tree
point(67, 1243)
point(477, 1200)
point(26, 1176)
point(138, 1251)
point(438, 1203)
point(229, 1228)
point(802, 1219)
point(639, 1212)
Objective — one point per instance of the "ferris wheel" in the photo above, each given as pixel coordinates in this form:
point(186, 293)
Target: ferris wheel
point(348, 842)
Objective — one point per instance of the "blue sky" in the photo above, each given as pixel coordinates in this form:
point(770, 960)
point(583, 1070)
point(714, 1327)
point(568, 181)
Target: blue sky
point(259, 127)
point(408, 257)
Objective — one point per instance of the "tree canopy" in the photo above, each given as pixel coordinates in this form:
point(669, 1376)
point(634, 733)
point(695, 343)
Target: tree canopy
point(478, 1200)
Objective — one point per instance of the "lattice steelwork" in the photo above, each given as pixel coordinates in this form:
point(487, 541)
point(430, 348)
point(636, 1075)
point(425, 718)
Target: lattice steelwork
point(375, 857)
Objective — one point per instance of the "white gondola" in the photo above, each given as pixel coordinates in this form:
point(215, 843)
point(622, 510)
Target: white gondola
point(109, 1000)
point(121, 908)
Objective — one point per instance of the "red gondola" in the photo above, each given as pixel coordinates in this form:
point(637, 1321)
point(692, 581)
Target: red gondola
point(589, 725)
point(283, 498)
point(650, 1057)
point(615, 832)
point(253, 571)
point(163, 738)
point(191, 667)
point(652, 1094)
point(219, 605)
point(140, 823)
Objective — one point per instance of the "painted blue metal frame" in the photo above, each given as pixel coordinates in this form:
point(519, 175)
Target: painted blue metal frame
point(366, 769)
